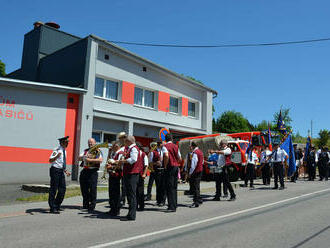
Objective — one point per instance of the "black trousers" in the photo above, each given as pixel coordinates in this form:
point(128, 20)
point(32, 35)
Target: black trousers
point(57, 185)
point(219, 179)
point(249, 174)
point(278, 174)
point(323, 170)
point(266, 174)
point(88, 187)
point(295, 175)
point(171, 175)
point(195, 183)
point(226, 182)
point(131, 181)
point(123, 193)
point(140, 193)
point(311, 171)
point(114, 194)
point(160, 186)
point(152, 178)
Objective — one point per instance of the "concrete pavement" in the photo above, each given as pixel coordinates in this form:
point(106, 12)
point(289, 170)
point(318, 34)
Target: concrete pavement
point(296, 217)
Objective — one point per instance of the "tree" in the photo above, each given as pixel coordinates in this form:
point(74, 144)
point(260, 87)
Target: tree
point(232, 122)
point(297, 138)
point(2, 69)
point(324, 137)
point(286, 118)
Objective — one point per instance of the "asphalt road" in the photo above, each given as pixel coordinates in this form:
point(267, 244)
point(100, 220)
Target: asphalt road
point(299, 216)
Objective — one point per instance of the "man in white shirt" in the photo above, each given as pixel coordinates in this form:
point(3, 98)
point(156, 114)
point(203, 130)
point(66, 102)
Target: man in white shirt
point(279, 156)
point(265, 166)
point(252, 159)
point(57, 179)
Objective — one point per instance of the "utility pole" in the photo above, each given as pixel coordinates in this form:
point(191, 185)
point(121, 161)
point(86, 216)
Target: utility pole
point(311, 128)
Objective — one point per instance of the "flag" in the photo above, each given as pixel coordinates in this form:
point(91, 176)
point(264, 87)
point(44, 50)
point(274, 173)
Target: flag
point(287, 145)
point(280, 124)
point(269, 138)
point(308, 145)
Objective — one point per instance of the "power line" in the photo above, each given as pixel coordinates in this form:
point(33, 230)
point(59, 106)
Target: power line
point(221, 45)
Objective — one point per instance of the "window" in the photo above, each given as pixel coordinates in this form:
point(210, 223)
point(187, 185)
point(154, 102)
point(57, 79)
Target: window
point(174, 105)
point(99, 85)
point(96, 136)
point(106, 88)
point(108, 137)
point(144, 97)
point(192, 109)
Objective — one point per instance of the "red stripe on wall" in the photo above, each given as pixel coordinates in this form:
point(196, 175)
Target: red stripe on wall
point(127, 95)
point(24, 155)
point(184, 106)
point(163, 101)
point(71, 125)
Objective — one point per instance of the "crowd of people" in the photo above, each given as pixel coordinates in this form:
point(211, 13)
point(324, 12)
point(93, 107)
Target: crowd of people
point(128, 163)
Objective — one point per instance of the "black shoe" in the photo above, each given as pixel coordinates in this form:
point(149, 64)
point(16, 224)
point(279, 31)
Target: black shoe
point(232, 198)
point(200, 201)
point(281, 188)
point(54, 211)
point(216, 198)
point(275, 187)
point(194, 205)
point(140, 209)
point(91, 210)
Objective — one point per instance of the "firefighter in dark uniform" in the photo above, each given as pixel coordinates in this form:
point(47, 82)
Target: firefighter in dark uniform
point(311, 164)
point(298, 156)
point(89, 175)
point(195, 173)
point(323, 160)
point(171, 160)
point(57, 179)
point(132, 166)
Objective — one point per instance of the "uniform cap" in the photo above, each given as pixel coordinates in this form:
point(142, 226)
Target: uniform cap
point(66, 138)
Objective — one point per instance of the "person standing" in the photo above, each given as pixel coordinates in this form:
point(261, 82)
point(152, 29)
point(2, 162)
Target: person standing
point(223, 163)
point(265, 167)
point(323, 160)
point(298, 156)
point(311, 166)
point(121, 138)
point(89, 175)
point(132, 166)
point(155, 161)
point(152, 175)
point(142, 176)
point(172, 158)
point(195, 173)
point(252, 159)
point(279, 156)
point(57, 179)
point(115, 175)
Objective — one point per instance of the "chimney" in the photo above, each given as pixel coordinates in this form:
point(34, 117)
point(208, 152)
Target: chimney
point(37, 24)
point(53, 25)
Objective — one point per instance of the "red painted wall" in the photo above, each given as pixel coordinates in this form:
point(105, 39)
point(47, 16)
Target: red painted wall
point(184, 106)
point(71, 125)
point(24, 155)
point(127, 93)
point(163, 101)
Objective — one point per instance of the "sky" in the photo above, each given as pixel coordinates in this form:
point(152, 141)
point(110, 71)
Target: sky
point(256, 81)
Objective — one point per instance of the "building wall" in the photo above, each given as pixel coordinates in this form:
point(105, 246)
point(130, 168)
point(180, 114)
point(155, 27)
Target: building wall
point(31, 121)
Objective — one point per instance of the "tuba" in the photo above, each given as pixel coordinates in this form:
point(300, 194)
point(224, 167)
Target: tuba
point(153, 147)
point(95, 152)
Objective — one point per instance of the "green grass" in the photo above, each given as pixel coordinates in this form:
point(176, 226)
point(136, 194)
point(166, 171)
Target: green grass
point(70, 192)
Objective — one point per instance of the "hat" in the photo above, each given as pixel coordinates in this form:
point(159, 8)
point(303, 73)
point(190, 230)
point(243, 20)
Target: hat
point(66, 138)
point(121, 135)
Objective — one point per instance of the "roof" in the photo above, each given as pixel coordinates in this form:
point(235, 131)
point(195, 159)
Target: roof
point(159, 67)
point(38, 85)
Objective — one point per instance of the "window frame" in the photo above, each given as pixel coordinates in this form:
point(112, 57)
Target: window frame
point(143, 98)
point(105, 79)
point(177, 98)
point(196, 104)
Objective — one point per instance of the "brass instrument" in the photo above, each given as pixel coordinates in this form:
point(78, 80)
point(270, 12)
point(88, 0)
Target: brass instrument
point(94, 152)
point(153, 147)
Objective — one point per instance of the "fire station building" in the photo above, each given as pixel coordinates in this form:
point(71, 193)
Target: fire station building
point(88, 87)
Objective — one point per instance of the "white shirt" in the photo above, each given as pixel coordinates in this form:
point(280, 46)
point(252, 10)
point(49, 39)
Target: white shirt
point(145, 160)
point(264, 155)
point(317, 154)
point(280, 156)
point(252, 159)
point(164, 150)
point(222, 159)
point(194, 161)
point(58, 163)
point(133, 156)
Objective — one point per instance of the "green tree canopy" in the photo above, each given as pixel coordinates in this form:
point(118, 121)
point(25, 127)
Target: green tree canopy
point(2, 69)
point(323, 137)
point(232, 122)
